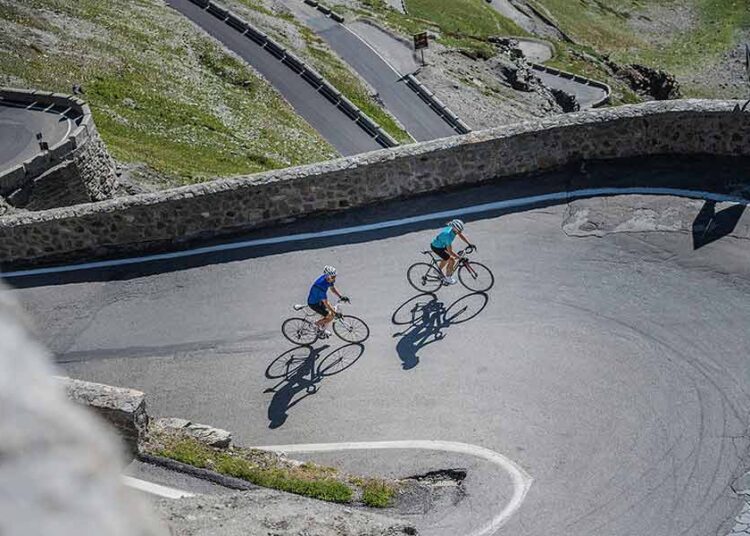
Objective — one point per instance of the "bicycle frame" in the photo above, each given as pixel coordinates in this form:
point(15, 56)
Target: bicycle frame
point(463, 260)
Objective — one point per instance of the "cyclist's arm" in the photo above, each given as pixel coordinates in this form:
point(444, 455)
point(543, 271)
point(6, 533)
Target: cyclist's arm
point(464, 238)
point(336, 291)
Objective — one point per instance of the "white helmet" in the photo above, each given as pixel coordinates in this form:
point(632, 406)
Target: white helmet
point(329, 270)
point(458, 225)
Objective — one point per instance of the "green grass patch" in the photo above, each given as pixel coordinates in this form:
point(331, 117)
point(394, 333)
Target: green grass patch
point(304, 480)
point(271, 471)
point(378, 493)
point(467, 18)
point(461, 24)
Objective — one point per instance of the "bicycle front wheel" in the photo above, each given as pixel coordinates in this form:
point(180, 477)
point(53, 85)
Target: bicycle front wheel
point(476, 277)
point(299, 331)
point(351, 329)
point(424, 277)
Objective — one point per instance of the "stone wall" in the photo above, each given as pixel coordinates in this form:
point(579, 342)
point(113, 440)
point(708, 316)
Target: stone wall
point(124, 409)
point(76, 170)
point(229, 205)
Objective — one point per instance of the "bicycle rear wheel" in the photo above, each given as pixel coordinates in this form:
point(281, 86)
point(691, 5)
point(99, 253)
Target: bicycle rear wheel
point(351, 329)
point(424, 277)
point(299, 331)
point(476, 277)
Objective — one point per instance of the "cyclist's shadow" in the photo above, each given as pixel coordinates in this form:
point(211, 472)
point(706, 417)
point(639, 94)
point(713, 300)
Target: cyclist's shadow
point(299, 370)
point(425, 319)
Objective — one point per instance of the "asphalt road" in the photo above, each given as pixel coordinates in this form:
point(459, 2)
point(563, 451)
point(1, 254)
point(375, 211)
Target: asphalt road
point(19, 127)
point(417, 117)
point(610, 360)
point(585, 95)
point(330, 122)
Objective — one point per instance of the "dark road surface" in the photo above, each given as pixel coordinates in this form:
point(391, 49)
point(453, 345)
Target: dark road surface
point(610, 360)
point(19, 127)
point(331, 123)
point(416, 116)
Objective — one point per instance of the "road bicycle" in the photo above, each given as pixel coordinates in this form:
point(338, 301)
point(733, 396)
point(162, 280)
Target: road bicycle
point(303, 331)
point(427, 277)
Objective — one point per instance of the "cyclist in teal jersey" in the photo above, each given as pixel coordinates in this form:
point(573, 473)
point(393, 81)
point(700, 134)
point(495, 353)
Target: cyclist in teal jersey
point(443, 248)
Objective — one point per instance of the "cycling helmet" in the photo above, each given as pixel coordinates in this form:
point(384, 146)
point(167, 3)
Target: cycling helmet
point(458, 225)
point(329, 270)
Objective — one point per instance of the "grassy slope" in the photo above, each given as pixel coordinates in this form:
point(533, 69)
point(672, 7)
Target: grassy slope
point(604, 26)
point(161, 93)
point(463, 24)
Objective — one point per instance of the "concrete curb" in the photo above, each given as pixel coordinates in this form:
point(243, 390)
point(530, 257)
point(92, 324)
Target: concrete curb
point(299, 67)
point(203, 474)
point(433, 102)
point(580, 79)
point(66, 105)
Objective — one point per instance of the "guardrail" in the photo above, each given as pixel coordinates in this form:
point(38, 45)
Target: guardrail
point(414, 84)
point(436, 104)
point(580, 79)
point(338, 17)
point(298, 66)
point(71, 107)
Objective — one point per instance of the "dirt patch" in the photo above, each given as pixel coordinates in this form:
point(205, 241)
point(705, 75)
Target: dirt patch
point(479, 93)
point(661, 23)
point(725, 78)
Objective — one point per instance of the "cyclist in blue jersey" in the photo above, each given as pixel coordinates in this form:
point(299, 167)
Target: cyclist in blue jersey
point(443, 248)
point(317, 300)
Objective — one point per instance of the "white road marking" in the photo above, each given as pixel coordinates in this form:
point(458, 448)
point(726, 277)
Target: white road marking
point(445, 214)
point(155, 489)
point(521, 480)
point(70, 126)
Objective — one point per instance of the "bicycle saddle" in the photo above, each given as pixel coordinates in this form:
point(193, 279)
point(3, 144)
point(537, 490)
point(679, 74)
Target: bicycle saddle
point(299, 306)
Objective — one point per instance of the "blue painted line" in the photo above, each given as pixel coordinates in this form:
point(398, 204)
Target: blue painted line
point(446, 214)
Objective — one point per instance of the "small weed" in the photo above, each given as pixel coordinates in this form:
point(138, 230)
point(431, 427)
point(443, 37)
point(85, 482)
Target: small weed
point(378, 493)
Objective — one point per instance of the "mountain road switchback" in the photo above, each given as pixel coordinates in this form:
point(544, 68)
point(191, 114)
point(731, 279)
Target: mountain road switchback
point(608, 364)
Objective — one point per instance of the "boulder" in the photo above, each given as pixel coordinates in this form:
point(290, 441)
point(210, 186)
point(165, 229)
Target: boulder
point(648, 82)
point(124, 409)
point(213, 437)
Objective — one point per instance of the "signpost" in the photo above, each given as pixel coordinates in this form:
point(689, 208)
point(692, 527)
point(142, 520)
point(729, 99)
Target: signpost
point(421, 42)
point(747, 69)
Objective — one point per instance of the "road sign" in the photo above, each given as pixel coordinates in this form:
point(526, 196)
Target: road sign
point(421, 41)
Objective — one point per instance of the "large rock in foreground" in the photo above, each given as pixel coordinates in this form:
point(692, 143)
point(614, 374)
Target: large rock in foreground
point(59, 467)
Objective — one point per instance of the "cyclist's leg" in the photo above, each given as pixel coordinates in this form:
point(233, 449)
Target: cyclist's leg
point(444, 256)
point(323, 312)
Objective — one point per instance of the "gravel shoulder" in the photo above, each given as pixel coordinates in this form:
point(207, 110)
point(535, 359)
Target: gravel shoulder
point(262, 512)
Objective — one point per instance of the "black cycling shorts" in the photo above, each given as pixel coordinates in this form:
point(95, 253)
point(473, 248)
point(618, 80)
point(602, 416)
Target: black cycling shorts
point(441, 252)
point(319, 308)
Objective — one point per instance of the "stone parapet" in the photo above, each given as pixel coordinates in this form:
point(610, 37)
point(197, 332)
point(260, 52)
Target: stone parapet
point(78, 169)
point(125, 409)
point(688, 127)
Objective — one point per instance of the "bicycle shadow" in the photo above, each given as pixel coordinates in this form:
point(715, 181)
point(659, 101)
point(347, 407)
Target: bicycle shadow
point(426, 318)
point(300, 370)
